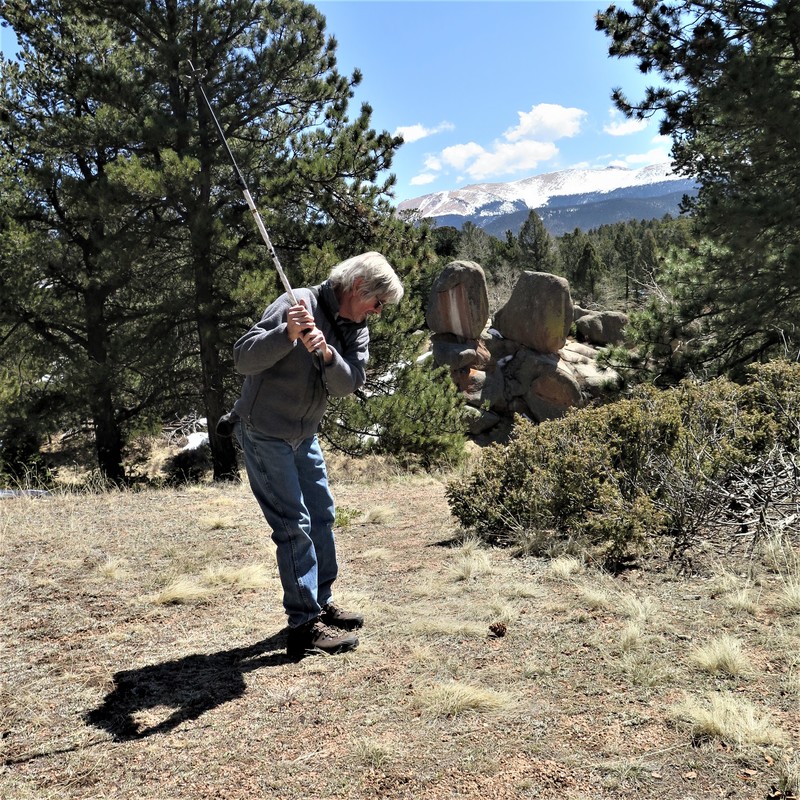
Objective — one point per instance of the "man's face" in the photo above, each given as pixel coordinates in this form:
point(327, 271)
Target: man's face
point(356, 307)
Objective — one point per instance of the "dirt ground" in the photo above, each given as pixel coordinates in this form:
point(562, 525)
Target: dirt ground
point(479, 675)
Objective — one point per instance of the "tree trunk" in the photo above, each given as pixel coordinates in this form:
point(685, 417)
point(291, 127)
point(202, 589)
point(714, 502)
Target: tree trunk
point(107, 434)
point(223, 453)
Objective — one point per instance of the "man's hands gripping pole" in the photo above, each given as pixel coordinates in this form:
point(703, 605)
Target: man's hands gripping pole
point(300, 325)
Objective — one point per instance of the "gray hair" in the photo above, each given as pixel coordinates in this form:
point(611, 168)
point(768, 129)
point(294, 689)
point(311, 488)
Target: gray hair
point(379, 280)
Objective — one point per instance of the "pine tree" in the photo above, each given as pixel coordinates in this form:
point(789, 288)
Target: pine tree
point(536, 246)
point(73, 282)
point(587, 274)
point(269, 71)
point(728, 98)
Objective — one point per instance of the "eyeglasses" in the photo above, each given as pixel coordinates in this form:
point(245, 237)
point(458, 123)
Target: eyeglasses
point(378, 304)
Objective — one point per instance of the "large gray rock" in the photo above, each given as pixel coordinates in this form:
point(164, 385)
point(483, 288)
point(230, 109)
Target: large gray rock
point(602, 327)
point(479, 420)
point(559, 388)
point(597, 381)
point(525, 367)
point(500, 348)
point(577, 352)
point(456, 352)
point(459, 301)
point(539, 312)
point(482, 388)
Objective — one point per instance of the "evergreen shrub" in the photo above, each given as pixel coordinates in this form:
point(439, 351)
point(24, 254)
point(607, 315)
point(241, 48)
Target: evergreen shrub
point(656, 466)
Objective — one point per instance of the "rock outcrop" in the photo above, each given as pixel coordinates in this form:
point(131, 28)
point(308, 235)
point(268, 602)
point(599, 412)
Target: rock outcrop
point(521, 361)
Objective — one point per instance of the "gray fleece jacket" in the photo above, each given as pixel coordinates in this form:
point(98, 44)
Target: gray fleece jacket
point(285, 392)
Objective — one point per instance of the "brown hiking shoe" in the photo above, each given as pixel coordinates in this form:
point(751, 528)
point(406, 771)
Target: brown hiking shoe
point(316, 636)
point(339, 618)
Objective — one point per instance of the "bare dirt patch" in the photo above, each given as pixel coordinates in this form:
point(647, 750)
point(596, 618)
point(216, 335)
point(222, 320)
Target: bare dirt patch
point(478, 675)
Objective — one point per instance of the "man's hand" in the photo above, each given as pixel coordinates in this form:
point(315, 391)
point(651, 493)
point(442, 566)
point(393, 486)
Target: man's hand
point(300, 325)
point(298, 321)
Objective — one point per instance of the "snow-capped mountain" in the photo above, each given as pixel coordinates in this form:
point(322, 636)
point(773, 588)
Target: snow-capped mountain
point(565, 200)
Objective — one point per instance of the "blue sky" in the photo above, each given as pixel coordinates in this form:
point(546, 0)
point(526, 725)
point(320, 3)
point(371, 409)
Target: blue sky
point(490, 91)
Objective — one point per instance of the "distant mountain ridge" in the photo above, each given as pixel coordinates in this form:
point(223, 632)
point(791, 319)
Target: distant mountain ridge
point(565, 200)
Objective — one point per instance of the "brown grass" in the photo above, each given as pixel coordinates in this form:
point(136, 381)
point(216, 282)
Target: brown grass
point(143, 657)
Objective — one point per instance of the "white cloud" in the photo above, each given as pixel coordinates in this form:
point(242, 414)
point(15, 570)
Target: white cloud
point(654, 156)
point(620, 126)
point(546, 122)
point(459, 155)
point(423, 179)
point(510, 157)
point(413, 133)
point(520, 148)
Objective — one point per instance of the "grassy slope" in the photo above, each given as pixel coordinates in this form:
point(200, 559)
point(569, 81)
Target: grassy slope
point(600, 688)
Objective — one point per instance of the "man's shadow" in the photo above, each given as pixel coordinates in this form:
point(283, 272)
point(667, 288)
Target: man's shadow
point(191, 685)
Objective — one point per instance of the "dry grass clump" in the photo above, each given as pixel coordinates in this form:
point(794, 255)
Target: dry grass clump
point(565, 567)
point(380, 515)
point(219, 523)
point(728, 718)
point(470, 565)
point(453, 698)
point(743, 600)
point(782, 556)
point(789, 775)
point(724, 581)
point(378, 554)
point(722, 655)
point(185, 589)
point(250, 576)
point(596, 598)
point(645, 669)
point(788, 599)
point(182, 590)
point(112, 568)
point(631, 637)
point(447, 626)
point(633, 607)
point(374, 754)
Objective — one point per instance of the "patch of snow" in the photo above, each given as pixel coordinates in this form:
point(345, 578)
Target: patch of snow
point(195, 440)
point(537, 190)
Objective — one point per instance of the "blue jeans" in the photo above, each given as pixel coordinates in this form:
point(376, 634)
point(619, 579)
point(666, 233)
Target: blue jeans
point(290, 483)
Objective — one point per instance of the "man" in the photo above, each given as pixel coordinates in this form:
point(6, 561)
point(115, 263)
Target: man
point(293, 359)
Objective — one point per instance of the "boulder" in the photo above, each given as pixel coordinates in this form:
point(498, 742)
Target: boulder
point(459, 301)
point(578, 312)
point(602, 327)
point(479, 420)
point(525, 367)
point(559, 387)
point(596, 381)
point(456, 352)
point(500, 348)
point(539, 312)
point(577, 352)
point(452, 351)
point(481, 388)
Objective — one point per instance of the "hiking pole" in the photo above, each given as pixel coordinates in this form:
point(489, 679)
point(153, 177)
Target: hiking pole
point(243, 185)
point(196, 74)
